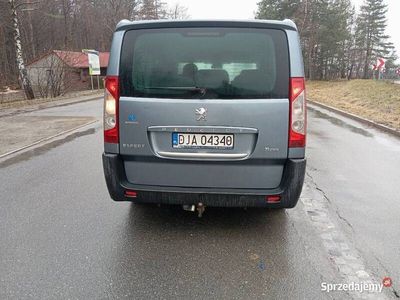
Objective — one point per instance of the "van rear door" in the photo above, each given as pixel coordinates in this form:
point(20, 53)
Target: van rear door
point(204, 107)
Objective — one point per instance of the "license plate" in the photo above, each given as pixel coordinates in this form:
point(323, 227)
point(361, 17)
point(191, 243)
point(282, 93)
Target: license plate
point(199, 140)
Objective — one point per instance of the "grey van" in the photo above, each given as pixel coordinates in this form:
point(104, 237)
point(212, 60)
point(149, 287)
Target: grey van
point(208, 113)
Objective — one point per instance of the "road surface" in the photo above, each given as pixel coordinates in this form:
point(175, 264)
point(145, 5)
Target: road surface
point(61, 237)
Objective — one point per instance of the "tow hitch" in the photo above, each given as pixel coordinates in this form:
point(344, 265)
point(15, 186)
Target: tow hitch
point(199, 207)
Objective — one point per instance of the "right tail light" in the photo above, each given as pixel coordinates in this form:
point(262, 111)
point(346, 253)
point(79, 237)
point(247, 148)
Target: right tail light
point(297, 116)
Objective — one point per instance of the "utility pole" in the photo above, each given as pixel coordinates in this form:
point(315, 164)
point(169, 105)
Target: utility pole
point(23, 74)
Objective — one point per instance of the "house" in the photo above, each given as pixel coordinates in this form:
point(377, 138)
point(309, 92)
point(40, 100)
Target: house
point(58, 71)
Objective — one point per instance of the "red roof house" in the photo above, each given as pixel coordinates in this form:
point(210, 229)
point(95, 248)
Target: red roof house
point(80, 60)
point(68, 70)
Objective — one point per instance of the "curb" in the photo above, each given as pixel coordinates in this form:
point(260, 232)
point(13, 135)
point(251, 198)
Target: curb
point(72, 95)
point(46, 139)
point(379, 126)
point(41, 106)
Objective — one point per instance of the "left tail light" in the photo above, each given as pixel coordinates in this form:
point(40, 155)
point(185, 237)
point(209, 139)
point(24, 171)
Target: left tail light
point(111, 99)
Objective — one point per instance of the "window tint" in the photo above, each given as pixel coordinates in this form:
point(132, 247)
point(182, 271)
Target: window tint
point(220, 63)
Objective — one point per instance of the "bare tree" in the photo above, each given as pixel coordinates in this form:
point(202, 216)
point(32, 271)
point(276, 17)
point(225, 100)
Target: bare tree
point(23, 75)
point(52, 76)
point(73, 25)
point(153, 10)
point(178, 12)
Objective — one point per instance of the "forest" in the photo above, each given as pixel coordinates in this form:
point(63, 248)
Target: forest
point(337, 41)
point(46, 25)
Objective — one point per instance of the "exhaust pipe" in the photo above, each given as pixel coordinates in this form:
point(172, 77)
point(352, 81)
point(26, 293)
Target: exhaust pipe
point(191, 208)
point(199, 207)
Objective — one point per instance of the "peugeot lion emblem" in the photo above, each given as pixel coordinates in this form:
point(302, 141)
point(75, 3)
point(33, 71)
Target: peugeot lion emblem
point(201, 114)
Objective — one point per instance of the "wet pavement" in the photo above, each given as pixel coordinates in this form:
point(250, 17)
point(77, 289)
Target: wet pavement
point(23, 130)
point(357, 168)
point(63, 238)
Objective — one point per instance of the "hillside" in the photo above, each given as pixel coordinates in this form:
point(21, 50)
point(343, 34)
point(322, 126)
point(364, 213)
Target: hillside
point(375, 100)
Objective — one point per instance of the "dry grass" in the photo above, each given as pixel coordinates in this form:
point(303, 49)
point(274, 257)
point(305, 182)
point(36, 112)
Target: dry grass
point(26, 103)
point(378, 101)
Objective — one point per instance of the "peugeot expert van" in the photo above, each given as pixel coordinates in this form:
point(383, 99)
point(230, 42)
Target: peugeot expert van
point(208, 113)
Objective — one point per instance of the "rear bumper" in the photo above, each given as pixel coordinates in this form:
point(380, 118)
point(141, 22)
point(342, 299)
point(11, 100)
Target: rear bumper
point(289, 189)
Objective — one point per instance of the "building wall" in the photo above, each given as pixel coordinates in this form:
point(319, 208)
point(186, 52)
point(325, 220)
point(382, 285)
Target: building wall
point(39, 71)
point(50, 77)
point(73, 81)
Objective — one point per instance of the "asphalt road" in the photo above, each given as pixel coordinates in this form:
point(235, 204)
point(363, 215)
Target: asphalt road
point(61, 237)
point(357, 168)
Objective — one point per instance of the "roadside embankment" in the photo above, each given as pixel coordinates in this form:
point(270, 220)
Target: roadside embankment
point(378, 101)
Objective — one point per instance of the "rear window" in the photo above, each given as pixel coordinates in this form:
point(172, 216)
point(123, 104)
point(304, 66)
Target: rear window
point(212, 63)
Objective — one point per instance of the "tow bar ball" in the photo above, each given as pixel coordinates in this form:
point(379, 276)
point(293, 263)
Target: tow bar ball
point(199, 207)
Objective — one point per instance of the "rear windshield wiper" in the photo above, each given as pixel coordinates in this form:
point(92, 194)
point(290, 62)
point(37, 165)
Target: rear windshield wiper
point(200, 90)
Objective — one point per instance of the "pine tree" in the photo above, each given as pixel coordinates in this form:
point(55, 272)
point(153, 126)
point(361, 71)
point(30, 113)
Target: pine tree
point(334, 37)
point(371, 38)
point(277, 10)
point(325, 32)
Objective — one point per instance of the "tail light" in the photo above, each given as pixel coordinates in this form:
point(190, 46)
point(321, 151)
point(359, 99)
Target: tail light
point(273, 198)
point(130, 194)
point(297, 120)
point(111, 98)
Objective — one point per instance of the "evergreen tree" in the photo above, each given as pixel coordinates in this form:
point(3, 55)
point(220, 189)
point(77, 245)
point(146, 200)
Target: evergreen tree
point(324, 28)
point(371, 37)
point(335, 43)
point(277, 10)
point(334, 37)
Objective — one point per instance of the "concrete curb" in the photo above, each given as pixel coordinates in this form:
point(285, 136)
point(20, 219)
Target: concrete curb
point(46, 139)
point(46, 105)
point(357, 118)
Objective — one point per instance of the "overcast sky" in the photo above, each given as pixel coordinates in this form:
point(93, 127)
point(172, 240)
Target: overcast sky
point(244, 9)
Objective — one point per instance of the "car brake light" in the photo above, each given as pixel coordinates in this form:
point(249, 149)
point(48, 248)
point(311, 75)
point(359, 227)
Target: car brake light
point(297, 119)
point(130, 194)
point(111, 99)
point(273, 198)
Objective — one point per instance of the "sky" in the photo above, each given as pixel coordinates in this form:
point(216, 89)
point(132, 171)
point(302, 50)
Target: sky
point(245, 9)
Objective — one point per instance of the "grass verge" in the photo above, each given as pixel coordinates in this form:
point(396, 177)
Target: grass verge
point(378, 101)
